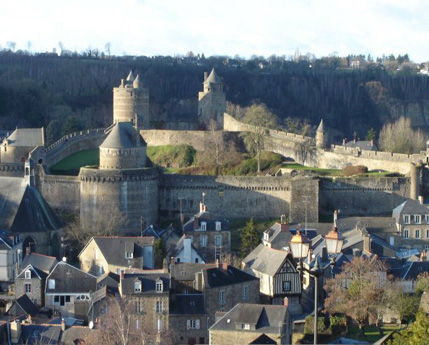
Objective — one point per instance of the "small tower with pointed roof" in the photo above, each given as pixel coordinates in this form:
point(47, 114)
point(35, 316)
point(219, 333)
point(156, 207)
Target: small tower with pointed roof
point(321, 135)
point(211, 101)
point(131, 100)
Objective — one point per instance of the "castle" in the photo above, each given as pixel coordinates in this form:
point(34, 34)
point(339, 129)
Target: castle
point(123, 182)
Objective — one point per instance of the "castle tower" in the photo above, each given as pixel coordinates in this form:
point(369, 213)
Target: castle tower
point(130, 99)
point(122, 186)
point(211, 101)
point(321, 135)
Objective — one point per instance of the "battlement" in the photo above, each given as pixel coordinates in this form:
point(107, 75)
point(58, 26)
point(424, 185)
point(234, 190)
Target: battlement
point(89, 174)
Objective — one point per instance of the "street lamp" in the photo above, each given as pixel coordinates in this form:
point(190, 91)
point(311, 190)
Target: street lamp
point(300, 245)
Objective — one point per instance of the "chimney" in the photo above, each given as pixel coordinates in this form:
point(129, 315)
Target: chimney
point(122, 82)
point(324, 254)
point(63, 324)
point(224, 266)
point(421, 200)
point(15, 330)
point(335, 217)
point(165, 265)
point(367, 243)
point(372, 142)
point(286, 302)
point(172, 262)
point(187, 250)
point(202, 207)
point(423, 256)
point(217, 263)
point(344, 141)
point(205, 76)
point(310, 255)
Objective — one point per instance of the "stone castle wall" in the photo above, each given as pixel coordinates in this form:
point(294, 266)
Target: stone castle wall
point(127, 102)
point(12, 169)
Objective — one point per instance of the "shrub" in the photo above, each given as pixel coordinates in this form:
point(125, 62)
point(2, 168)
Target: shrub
point(355, 170)
point(309, 325)
point(337, 324)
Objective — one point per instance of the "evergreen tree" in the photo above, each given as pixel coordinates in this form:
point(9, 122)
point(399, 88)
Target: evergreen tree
point(417, 333)
point(160, 252)
point(249, 238)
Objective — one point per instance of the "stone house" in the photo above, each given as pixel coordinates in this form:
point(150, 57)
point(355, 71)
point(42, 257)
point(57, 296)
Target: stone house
point(40, 262)
point(253, 324)
point(211, 235)
point(10, 256)
point(185, 251)
point(223, 287)
point(183, 276)
point(412, 222)
point(188, 318)
point(278, 276)
point(17, 146)
point(31, 281)
point(148, 295)
point(104, 254)
point(71, 291)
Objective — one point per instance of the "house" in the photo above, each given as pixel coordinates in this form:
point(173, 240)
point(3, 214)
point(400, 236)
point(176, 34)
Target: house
point(253, 324)
point(408, 273)
point(278, 276)
point(367, 145)
point(183, 276)
point(412, 222)
point(22, 306)
point(103, 254)
point(148, 295)
point(17, 146)
point(169, 236)
point(40, 262)
point(223, 287)
point(188, 318)
point(31, 281)
point(211, 235)
point(185, 251)
point(10, 256)
point(71, 291)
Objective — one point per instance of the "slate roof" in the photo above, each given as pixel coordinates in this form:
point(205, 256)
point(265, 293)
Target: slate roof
point(175, 250)
point(28, 137)
point(411, 270)
point(148, 283)
point(263, 339)
point(215, 277)
point(190, 304)
point(210, 220)
point(409, 206)
point(182, 271)
point(40, 334)
point(22, 305)
point(122, 136)
point(265, 260)
point(213, 78)
point(110, 280)
point(378, 225)
point(41, 262)
point(71, 279)
point(35, 273)
point(90, 336)
point(113, 249)
point(266, 317)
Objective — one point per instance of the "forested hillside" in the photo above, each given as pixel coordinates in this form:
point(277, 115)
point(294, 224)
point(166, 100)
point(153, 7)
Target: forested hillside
point(74, 91)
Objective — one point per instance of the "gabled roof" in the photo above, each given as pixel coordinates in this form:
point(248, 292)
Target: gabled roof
point(27, 137)
point(266, 260)
point(182, 271)
point(209, 219)
point(41, 262)
point(122, 136)
point(35, 273)
point(268, 317)
point(148, 283)
point(190, 304)
point(212, 78)
point(40, 334)
point(215, 277)
point(180, 245)
point(411, 270)
point(409, 206)
point(71, 279)
point(263, 339)
point(88, 335)
point(23, 304)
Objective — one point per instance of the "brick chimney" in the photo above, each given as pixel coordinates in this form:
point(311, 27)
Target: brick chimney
point(423, 256)
point(286, 302)
point(217, 263)
point(421, 199)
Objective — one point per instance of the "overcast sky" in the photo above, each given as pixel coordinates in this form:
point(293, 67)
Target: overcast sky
point(220, 27)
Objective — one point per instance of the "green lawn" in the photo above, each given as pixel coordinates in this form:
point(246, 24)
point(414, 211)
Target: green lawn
point(71, 164)
point(324, 172)
point(371, 332)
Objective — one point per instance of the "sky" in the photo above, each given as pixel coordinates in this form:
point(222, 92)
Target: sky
point(220, 27)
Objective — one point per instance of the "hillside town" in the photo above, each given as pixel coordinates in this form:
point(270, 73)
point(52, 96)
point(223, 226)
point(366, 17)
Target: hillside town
point(124, 252)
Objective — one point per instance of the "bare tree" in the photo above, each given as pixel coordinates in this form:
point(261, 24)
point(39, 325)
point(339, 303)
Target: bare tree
point(107, 48)
point(11, 45)
point(400, 137)
point(260, 118)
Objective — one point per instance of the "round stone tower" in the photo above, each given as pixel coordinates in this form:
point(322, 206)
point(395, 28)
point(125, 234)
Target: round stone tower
point(321, 135)
point(130, 99)
point(122, 186)
point(212, 101)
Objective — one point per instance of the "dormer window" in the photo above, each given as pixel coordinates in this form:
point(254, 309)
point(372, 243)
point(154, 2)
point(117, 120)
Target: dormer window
point(138, 286)
point(203, 226)
point(159, 286)
point(218, 226)
point(266, 236)
point(245, 326)
point(51, 284)
point(27, 274)
point(128, 255)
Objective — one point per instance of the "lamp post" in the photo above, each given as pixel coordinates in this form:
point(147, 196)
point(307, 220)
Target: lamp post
point(300, 246)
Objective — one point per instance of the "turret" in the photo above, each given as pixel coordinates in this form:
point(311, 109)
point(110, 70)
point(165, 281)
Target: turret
point(321, 135)
point(130, 99)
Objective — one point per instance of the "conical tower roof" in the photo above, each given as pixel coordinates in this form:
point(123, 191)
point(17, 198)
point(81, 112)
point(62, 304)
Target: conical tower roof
point(130, 76)
point(213, 78)
point(321, 127)
point(122, 136)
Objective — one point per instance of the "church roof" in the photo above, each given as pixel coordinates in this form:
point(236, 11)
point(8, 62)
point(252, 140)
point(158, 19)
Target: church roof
point(122, 136)
point(30, 137)
point(213, 78)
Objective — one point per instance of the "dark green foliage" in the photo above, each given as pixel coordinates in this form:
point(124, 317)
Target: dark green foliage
point(160, 252)
point(309, 325)
point(249, 238)
point(371, 134)
point(169, 156)
point(337, 324)
point(416, 334)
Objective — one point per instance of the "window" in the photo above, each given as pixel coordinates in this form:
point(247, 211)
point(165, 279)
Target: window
point(203, 226)
point(427, 233)
point(406, 219)
point(222, 297)
point(406, 233)
point(417, 233)
point(159, 286)
point(56, 299)
point(245, 326)
point(245, 292)
point(159, 325)
point(51, 283)
point(218, 241)
point(193, 324)
point(427, 218)
point(27, 274)
point(203, 241)
point(286, 285)
point(128, 255)
point(138, 286)
point(67, 299)
point(138, 307)
point(27, 288)
point(218, 226)
point(159, 307)
point(417, 219)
